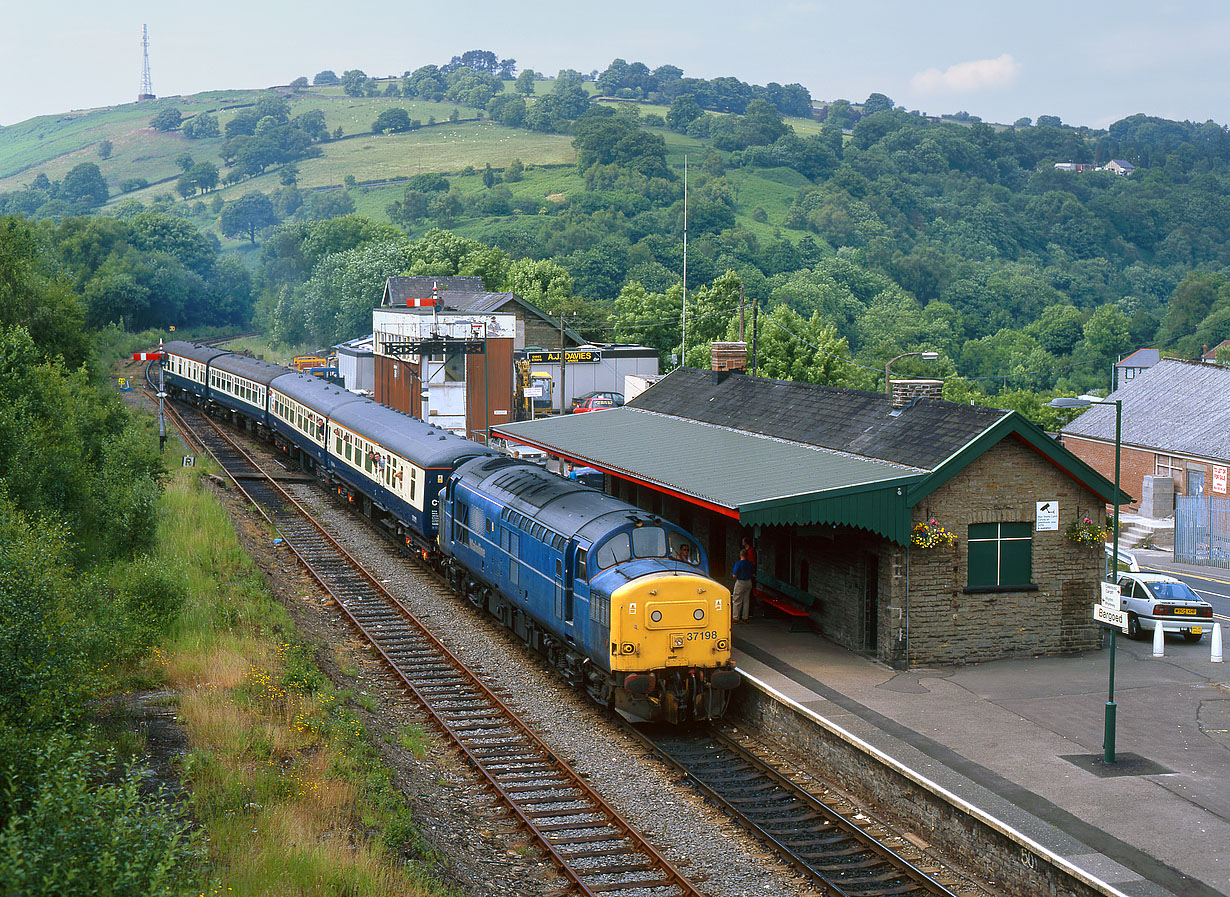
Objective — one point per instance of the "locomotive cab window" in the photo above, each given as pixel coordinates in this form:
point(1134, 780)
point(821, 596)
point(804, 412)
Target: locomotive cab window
point(581, 571)
point(614, 550)
point(649, 542)
point(684, 549)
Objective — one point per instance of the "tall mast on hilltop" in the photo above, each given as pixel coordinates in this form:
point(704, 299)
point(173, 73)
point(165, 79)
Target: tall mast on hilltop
point(147, 83)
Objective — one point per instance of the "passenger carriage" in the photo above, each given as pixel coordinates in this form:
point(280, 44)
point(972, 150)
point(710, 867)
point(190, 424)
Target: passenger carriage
point(185, 367)
point(300, 407)
point(397, 462)
point(241, 384)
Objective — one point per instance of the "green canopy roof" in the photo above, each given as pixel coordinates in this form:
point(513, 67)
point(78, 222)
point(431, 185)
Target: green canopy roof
point(758, 479)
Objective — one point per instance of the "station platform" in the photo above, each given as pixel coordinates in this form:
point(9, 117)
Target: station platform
point(1021, 740)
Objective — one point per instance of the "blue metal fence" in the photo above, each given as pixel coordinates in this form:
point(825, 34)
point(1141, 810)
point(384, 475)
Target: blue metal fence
point(1202, 530)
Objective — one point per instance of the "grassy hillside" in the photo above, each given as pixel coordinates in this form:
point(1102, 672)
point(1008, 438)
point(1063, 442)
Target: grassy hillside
point(53, 145)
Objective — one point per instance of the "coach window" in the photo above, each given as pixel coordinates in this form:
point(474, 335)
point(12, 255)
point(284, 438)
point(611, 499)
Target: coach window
point(1000, 556)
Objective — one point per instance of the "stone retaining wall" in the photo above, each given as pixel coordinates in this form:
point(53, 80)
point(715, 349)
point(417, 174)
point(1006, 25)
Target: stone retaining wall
point(1010, 862)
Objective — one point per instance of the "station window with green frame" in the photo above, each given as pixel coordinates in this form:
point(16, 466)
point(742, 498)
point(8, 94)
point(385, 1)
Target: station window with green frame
point(1000, 556)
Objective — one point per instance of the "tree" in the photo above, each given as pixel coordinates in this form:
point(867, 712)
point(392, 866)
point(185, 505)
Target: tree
point(1023, 122)
point(299, 84)
point(166, 120)
point(183, 162)
point(877, 102)
point(1050, 121)
point(326, 78)
point(684, 110)
point(488, 177)
point(201, 126)
point(354, 83)
point(514, 172)
point(247, 215)
point(85, 184)
point(104, 149)
point(524, 84)
point(392, 120)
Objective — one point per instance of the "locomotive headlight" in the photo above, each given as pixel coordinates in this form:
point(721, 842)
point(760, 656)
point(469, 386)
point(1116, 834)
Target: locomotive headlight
point(629, 647)
point(656, 616)
point(722, 646)
point(698, 614)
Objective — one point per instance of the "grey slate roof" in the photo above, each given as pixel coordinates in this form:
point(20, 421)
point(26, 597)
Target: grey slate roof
point(1141, 358)
point(923, 435)
point(1174, 406)
point(722, 466)
point(400, 288)
point(465, 294)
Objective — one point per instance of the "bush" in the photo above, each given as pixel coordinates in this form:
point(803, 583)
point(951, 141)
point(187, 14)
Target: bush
point(128, 185)
point(74, 836)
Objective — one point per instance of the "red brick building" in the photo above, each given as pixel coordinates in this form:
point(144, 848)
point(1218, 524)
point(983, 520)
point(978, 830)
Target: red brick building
point(1176, 424)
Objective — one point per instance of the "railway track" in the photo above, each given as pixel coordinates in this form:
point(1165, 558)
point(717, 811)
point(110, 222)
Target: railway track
point(599, 851)
point(841, 858)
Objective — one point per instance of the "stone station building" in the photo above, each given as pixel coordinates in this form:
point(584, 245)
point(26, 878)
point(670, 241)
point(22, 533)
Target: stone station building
point(831, 483)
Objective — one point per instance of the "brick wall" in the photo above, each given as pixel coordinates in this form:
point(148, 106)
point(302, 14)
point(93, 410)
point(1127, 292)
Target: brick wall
point(941, 622)
point(1134, 465)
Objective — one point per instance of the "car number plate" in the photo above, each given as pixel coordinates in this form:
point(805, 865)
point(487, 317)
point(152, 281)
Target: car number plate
point(1197, 630)
point(1185, 610)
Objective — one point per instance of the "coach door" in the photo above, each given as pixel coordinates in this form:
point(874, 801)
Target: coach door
point(576, 585)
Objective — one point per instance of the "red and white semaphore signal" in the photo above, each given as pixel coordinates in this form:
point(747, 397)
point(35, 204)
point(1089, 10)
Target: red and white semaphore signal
point(147, 356)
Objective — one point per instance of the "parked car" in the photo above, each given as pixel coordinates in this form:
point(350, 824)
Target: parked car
point(597, 401)
point(1154, 599)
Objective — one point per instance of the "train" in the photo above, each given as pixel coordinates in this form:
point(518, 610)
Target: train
point(616, 599)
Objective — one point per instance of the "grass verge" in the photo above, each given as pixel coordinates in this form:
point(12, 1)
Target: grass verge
point(283, 778)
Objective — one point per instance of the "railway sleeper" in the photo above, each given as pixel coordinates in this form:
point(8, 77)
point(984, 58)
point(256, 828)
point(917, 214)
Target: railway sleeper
point(634, 885)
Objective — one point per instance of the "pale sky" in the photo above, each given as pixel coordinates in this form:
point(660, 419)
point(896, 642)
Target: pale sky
point(1089, 63)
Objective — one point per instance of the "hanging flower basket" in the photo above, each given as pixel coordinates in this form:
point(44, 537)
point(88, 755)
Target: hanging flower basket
point(1085, 532)
point(931, 535)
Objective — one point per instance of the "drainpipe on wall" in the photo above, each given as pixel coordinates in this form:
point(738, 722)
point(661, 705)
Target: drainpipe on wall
point(907, 605)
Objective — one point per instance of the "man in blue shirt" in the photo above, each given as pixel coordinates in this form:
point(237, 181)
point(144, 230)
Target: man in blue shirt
point(741, 603)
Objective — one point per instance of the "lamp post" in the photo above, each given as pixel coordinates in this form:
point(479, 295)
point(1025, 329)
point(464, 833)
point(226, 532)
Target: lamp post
point(926, 356)
point(1112, 567)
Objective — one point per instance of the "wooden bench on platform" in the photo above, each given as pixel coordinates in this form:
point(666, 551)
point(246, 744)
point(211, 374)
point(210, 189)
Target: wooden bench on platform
point(786, 599)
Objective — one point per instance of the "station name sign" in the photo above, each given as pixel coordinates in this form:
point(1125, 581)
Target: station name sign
point(574, 356)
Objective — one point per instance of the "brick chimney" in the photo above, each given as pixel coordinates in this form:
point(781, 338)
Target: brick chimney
point(906, 391)
point(729, 356)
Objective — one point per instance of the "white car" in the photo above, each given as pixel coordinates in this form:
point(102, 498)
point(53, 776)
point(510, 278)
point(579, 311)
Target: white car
point(1154, 599)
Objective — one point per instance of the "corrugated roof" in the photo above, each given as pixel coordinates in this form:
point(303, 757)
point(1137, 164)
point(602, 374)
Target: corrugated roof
point(736, 470)
point(924, 434)
point(1174, 406)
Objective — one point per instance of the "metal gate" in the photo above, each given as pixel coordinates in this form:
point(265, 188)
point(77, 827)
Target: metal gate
point(1202, 530)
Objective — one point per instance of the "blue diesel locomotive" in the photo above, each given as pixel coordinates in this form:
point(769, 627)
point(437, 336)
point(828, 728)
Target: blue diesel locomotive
point(617, 599)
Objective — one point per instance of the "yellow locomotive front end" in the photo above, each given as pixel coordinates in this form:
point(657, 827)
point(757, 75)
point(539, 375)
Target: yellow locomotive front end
point(671, 641)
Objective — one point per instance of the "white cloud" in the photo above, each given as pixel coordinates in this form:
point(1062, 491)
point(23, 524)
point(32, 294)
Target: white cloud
point(966, 77)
